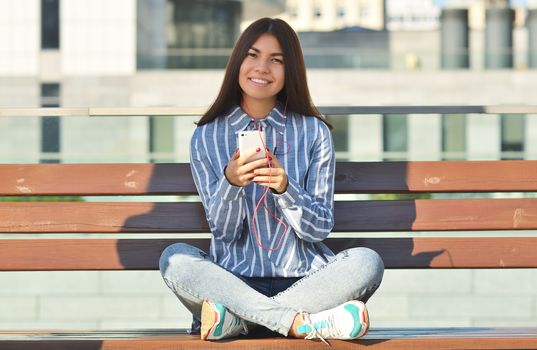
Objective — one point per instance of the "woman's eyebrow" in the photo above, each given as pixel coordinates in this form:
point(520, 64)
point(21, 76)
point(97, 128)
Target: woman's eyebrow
point(272, 54)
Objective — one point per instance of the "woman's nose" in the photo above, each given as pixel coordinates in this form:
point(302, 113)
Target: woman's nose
point(262, 66)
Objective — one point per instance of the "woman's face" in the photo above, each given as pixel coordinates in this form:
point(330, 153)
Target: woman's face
point(262, 73)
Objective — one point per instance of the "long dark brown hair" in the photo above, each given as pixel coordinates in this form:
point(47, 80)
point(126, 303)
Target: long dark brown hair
point(295, 91)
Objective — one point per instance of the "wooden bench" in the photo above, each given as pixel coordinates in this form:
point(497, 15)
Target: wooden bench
point(403, 217)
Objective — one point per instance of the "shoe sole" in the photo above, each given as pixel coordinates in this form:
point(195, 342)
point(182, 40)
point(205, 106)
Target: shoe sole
point(209, 317)
point(360, 317)
point(364, 319)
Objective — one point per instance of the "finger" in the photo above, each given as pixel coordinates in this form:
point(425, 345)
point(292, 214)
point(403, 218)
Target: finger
point(256, 164)
point(261, 180)
point(259, 163)
point(235, 155)
point(269, 171)
point(247, 177)
point(267, 179)
point(275, 163)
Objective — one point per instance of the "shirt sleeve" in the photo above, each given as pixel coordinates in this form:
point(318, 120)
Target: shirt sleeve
point(309, 210)
point(222, 201)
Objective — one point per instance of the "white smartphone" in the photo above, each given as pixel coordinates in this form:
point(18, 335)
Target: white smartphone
point(250, 140)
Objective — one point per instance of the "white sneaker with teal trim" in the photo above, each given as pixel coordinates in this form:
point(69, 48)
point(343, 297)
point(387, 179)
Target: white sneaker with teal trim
point(217, 322)
point(349, 320)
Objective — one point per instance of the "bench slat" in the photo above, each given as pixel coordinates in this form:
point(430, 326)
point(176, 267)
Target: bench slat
point(436, 176)
point(350, 216)
point(351, 177)
point(105, 217)
point(143, 254)
point(386, 339)
point(95, 179)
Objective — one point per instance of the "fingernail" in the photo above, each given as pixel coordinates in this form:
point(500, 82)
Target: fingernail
point(258, 149)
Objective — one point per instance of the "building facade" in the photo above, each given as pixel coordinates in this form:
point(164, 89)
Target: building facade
point(156, 53)
point(318, 15)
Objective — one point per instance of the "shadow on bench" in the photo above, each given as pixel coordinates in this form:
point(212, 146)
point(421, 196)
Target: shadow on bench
point(185, 217)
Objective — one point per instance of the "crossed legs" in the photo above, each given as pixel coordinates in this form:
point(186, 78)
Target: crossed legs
point(353, 274)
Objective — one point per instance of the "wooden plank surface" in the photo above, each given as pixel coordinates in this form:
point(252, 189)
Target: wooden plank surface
point(350, 216)
point(351, 177)
point(386, 338)
point(143, 254)
point(95, 179)
point(434, 177)
point(105, 217)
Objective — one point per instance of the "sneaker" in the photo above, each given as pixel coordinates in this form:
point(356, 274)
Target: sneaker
point(217, 322)
point(349, 320)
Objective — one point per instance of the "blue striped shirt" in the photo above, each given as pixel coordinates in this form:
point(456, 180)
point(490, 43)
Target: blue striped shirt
point(306, 206)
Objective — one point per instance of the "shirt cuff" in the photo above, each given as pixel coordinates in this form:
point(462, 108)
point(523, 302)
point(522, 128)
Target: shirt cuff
point(290, 196)
point(227, 191)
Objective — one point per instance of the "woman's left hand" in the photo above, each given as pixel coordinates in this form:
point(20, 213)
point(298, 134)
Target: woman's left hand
point(273, 176)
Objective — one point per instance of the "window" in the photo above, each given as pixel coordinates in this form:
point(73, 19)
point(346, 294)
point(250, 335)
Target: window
point(395, 139)
point(161, 144)
point(50, 24)
point(50, 126)
point(453, 136)
point(186, 34)
point(512, 136)
point(340, 133)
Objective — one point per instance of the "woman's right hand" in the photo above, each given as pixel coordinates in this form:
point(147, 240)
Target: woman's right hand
point(240, 170)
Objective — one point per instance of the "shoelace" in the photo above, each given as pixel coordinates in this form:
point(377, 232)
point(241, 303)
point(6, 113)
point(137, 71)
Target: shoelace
point(244, 326)
point(233, 323)
point(331, 328)
point(237, 321)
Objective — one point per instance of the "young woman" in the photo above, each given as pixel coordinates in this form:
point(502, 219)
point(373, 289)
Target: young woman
point(267, 264)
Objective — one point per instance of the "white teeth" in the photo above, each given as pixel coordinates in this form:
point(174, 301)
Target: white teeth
point(259, 81)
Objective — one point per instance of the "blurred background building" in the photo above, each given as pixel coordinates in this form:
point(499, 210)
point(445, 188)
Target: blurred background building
point(74, 53)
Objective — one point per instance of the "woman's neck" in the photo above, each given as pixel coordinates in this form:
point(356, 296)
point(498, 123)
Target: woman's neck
point(258, 109)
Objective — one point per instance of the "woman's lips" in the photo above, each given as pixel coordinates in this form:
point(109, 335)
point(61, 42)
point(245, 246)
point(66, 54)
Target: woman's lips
point(259, 82)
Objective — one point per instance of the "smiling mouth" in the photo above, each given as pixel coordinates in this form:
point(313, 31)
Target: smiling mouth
point(260, 82)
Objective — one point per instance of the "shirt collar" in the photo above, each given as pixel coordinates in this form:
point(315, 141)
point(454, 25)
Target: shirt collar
point(240, 120)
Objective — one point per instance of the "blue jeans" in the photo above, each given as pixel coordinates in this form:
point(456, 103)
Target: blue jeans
point(190, 273)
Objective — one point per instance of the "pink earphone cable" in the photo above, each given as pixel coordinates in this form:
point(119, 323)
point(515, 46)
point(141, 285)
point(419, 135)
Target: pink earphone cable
point(264, 196)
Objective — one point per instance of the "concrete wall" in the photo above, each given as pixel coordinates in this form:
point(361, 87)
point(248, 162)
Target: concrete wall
point(19, 37)
point(132, 299)
point(98, 37)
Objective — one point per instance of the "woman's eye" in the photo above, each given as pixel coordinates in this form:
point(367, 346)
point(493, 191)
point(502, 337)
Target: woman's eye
point(252, 54)
point(277, 60)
